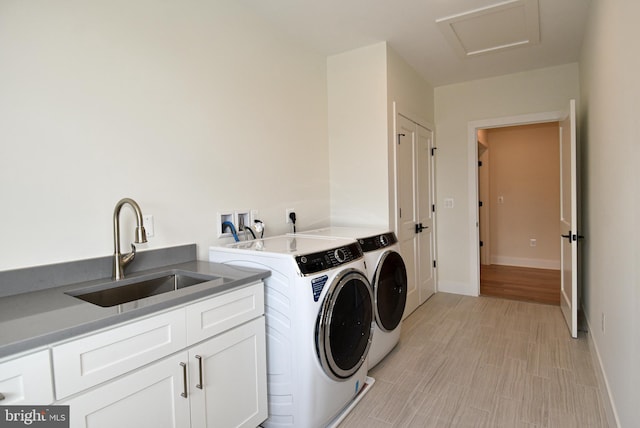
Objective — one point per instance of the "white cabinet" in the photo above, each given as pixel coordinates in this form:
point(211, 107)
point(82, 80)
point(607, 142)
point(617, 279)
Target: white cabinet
point(228, 378)
point(218, 379)
point(26, 380)
point(218, 383)
point(147, 398)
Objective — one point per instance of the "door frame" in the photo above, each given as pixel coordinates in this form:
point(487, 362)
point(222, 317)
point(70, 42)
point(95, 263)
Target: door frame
point(472, 147)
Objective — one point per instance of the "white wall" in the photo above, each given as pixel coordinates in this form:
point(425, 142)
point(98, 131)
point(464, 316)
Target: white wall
point(357, 87)
point(189, 107)
point(609, 71)
point(535, 91)
point(414, 98)
point(363, 85)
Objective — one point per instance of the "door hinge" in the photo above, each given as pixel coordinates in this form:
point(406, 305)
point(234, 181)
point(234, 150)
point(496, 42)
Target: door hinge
point(433, 208)
point(481, 244)
point(400, 212)
point(434, 264)
point(433, 151)
point(479, 163)
point(480, 203)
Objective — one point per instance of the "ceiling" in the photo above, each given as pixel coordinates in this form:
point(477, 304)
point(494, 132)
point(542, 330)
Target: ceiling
point(462, 48)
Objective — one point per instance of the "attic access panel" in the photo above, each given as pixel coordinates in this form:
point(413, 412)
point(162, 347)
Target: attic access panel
point(506, 25)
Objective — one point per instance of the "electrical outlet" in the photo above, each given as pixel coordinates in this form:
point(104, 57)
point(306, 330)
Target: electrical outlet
point(287, 212)
point(532, 242)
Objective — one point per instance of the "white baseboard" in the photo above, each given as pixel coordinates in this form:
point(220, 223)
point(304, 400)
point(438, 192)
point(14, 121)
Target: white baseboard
point(524, 262)
point(455, 287)
point(607, 401)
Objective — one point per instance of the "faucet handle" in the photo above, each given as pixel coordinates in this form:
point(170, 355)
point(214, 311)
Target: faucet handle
point(128, 258)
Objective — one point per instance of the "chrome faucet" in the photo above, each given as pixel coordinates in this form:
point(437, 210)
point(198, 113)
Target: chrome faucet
point(120, 261)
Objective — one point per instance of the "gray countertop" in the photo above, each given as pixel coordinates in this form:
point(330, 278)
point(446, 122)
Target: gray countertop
point(39, 318)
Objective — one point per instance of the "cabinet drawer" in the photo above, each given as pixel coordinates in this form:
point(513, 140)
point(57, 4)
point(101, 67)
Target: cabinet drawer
point(26, 380)
point(211, 317)
point(93, 359)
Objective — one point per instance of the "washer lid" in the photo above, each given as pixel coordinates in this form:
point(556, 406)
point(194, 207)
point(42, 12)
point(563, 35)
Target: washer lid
point(343, 232)
point(370, 239)
point(292, 245)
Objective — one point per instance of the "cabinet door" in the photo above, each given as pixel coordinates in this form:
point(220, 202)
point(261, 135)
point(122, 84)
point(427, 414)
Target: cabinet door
point(26, 380)
point(148, 398)
point(229, 378)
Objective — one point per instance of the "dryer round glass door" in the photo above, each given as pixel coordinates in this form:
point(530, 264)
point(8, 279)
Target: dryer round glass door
point(390, 290)
point(344, 326)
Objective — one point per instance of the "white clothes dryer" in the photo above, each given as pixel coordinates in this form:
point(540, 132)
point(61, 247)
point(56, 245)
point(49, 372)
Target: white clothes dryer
point(387, 274)
point(319, 324)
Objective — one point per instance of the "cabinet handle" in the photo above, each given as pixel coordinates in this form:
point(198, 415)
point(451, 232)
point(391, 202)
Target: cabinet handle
point(199, 358)
point(2, 397)
point(184, 379)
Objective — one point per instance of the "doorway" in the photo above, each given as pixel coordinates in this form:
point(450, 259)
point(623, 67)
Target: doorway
point(519, 190)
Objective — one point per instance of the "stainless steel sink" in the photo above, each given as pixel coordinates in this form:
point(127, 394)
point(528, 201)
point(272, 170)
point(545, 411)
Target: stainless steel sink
point(132, 289)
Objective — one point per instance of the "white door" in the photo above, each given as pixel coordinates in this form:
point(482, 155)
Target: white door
point(406, 209)
point(425, 229)
point(415, 225)
point(569, 220)
point(484, 211)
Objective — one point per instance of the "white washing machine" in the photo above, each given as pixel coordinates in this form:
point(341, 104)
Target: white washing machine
point(319, 324)
point(387, 274)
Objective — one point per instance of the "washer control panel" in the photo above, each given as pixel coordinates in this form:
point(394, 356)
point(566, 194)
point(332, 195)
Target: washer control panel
point(318, 262)
point(376, 242)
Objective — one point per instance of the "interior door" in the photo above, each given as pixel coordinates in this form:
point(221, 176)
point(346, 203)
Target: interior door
point(569, 219)
point(424, 196)
point(484, 210)
point(415, 215)
point(406, 209)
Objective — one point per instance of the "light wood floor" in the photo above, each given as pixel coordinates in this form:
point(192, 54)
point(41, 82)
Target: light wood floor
point(483, 362)
point(512, 282)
